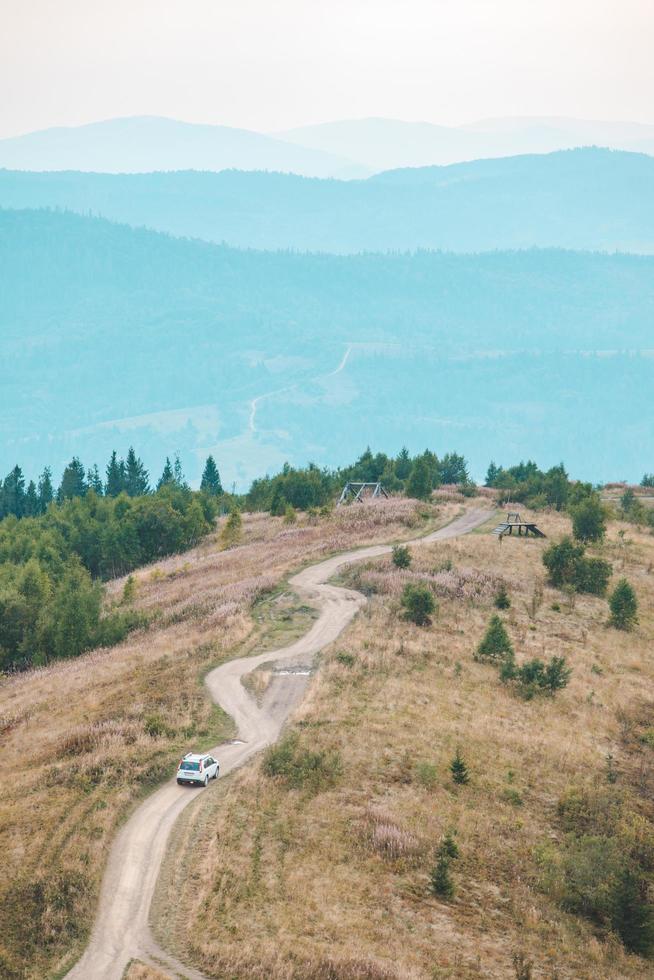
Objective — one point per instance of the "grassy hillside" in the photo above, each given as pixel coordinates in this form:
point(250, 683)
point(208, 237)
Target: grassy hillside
point(582, 199)
point(119, 336)
point(107, 727)
point(326, 874)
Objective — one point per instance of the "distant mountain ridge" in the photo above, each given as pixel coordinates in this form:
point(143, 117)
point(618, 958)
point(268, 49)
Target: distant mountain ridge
point(582, 199)
point(384, 144)
point(345, 149)
point(142, 144)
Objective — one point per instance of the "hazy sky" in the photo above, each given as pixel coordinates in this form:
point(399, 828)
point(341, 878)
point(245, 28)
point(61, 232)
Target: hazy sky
point(270, 64)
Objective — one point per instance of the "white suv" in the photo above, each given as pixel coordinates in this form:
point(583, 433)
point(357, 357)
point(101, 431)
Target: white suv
point(197, 770)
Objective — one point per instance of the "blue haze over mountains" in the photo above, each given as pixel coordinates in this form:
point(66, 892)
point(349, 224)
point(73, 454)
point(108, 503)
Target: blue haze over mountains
point(112, 333)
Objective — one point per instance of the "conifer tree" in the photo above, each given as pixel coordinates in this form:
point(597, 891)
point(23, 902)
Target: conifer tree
point(13, 493)
point(46, 492)
point(624, 606)
point(94, 480)
point(166, 478)
point(459, 769)
point(73, 481)
point(448, 846)
point(31, 508)
point(210, 482)
point(137, 480)
point(115, 482)
point(403, 464)
point(502, 600)
point(492, 474)
point(440, 881)
point(495, 643)
point(178, 474)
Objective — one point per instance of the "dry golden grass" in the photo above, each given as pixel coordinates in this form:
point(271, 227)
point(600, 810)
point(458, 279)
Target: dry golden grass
point(84, 739)
point(141, 971)
point(295, 886)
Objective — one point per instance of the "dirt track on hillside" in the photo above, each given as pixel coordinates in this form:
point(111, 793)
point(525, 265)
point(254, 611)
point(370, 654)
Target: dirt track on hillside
point(121, 931)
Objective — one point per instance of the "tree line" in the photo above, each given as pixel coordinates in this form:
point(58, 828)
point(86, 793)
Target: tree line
point(311, 486)
point(52, 566)
point(128, 475)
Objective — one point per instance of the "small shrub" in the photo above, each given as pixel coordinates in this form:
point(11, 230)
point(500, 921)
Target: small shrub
point(522, 966)
point(495, 643)
point(624, 606)
point(418, 603)
point(129, 589)
point(401, 556)
point(512, 796)
point(589, 520)
point(290, 517)
point(426, 774)
point(231, 532)
point(535, 676)
point(347, 659)
point(301, 768)
point(502, 600)
point(459, 769)
point(155, 726)
point(569, 569)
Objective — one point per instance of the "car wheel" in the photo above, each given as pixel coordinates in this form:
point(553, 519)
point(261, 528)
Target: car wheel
point(206, 781)
point(215, 775)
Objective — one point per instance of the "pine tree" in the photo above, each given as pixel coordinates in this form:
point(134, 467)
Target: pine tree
point(129, 589)
point(210, 481)
point(278, 503)
point(495, 644)
point(440, 881)
point(401, 556)
point(46, 491)
point(166, 478)
point(94, 480)
point(459, 769)
point(137, 480)
point(589, 520)
point(73, 481)
point(624, 606)
point(115, 482)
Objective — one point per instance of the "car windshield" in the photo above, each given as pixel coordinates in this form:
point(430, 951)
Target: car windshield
point(193, 766)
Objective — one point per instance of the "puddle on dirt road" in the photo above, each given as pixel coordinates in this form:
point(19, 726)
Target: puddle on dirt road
point(294, 671)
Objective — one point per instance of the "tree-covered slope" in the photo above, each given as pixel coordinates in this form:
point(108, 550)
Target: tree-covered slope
point(582, 199)
point(111, 335)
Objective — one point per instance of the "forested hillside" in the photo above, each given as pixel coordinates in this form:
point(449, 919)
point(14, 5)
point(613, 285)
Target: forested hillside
point(112, 335)
point(587, 198)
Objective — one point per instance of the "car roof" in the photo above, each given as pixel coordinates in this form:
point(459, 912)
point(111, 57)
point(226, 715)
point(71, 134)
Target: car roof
point(196, 756)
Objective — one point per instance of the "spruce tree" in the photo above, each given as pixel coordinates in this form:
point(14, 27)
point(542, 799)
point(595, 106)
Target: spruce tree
point(13, 491)
point(492, 474)
point(166, 478)
point(624, 606)
point(115, 482)
point(210, 481)
point(459, 769)
point(94, 480)
point(231, 532)
point(137, 480)
point(448, 846)
point(403, 464)
point(31, 508)
point(46, 491)
point(495, 644)
point(401, 556)
point(440, 881)
point(502, 600)
point(178, 474)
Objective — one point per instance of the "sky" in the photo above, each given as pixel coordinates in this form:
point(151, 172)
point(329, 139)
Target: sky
point(275, 64)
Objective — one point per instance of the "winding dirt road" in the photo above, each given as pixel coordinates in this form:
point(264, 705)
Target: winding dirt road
point(121, 931)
